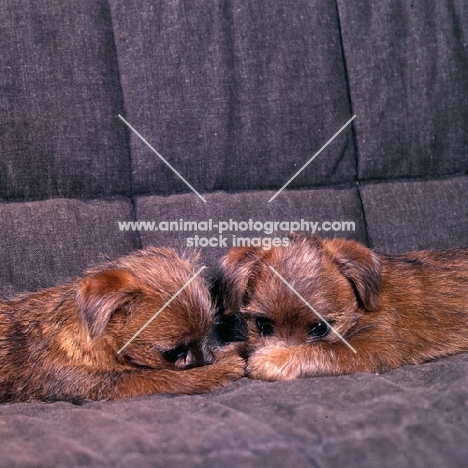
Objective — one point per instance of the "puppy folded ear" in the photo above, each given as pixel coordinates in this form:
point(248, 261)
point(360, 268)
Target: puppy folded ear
point(238, 276)
point(101, 294)
point(360, 266)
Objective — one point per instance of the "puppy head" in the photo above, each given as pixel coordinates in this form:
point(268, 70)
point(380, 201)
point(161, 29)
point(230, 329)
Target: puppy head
point(335, 279)
point(139, 292)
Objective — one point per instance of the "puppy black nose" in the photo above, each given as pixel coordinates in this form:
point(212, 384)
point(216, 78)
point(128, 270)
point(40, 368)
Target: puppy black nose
point(192, 355)
point(200, 357)
point(176, 354)
point(208, 356)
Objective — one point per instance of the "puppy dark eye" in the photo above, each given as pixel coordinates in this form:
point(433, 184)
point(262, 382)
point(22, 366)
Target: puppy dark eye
point(319, 330)
point(264, 326)
point(173, 355)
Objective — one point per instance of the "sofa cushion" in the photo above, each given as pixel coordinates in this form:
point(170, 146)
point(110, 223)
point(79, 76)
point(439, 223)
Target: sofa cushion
point(406, 64)
point(403, 216)
point(235, 96)
point(414, 417)
point(59, 100)
point(45, 243)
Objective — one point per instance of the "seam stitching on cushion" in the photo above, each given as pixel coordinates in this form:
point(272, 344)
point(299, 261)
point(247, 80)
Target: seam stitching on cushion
point(344, 185)
point(127, 133)
point(353, 131)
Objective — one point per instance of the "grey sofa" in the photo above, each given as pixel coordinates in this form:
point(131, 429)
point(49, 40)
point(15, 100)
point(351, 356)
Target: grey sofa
point(237, 96)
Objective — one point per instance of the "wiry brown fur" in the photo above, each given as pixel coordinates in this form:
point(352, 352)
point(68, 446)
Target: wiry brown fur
point(63, 342)
point(393, 310)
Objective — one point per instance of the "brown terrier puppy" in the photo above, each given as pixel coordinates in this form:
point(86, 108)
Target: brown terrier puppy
point(65, 343)
point(389, 310)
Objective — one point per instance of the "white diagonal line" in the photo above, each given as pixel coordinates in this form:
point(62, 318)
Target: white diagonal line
point(160, 157)
point(161, 309)
point(312, 158)
point(311, 308)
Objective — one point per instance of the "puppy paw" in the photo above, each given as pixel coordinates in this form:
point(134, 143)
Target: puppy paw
point(230, 362)
point(272, 363)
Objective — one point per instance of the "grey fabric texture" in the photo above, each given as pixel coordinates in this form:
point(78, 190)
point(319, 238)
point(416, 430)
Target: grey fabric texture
point(407, 63)
point(404, 216)
point(44, 243)
point(60, 96)
point(237, 95)
point(413, 417)
point(230, 86)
